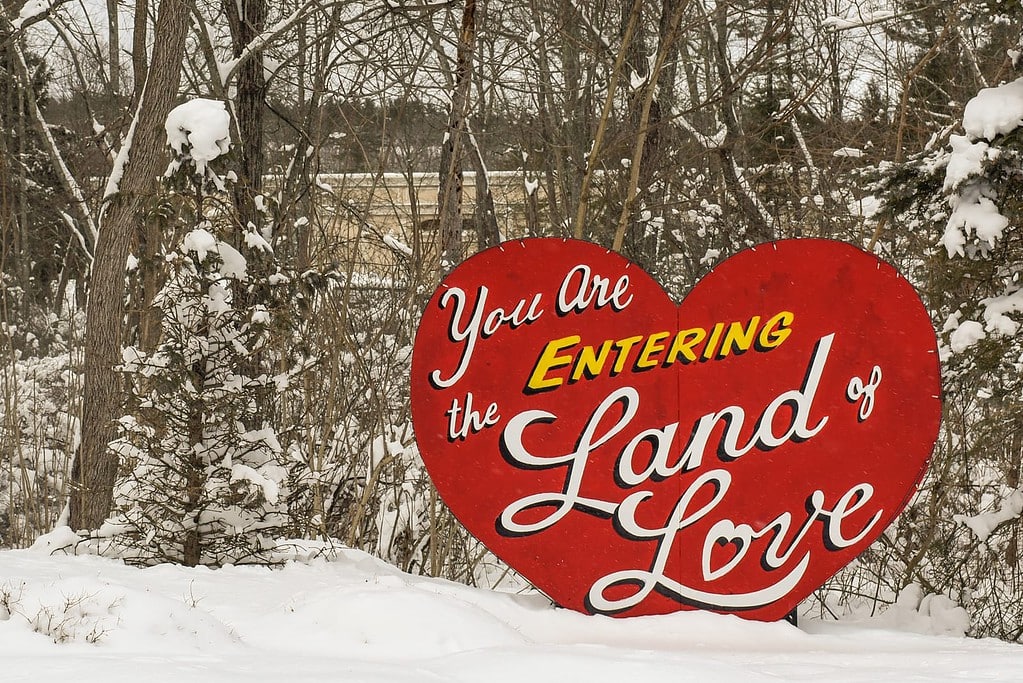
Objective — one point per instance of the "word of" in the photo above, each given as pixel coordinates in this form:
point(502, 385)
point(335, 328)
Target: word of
point(858, 390)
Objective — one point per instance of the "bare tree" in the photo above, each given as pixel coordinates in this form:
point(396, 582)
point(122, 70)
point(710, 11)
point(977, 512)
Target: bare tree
point(246, 20)
point(138, 166)
point(451, 176)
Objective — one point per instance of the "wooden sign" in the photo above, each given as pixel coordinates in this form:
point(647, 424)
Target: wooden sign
point(629, 456)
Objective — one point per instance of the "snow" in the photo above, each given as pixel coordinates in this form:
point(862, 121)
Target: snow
point(342, 615)
point(30, 10)
point(240, 472)
point(254, 240)
point(856, 19)
point(992, 112)
point(967, 160)
point(233, 263)
point(200, 128)
point(397, 245)
point(966, 335)
point(218, 300)
point(996, 309)
point(953, 240)
point(983, 524)
point(975, 211)
point(867, 206)
point(260, 315)
point(202, 242)
point(266, 436)
point(995, 111)
point(918, 612)
point(710, 257)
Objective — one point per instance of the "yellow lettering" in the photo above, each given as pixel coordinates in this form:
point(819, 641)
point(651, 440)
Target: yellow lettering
point(653, 350)
point(775, 331)
point(712, 343)
point(549, 360)
point(590, 364)
point(683, 345)
point(737, 339)
point(623, 346)
point(651, 347)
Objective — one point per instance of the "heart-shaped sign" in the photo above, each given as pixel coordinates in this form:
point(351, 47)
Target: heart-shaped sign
point(630, 456)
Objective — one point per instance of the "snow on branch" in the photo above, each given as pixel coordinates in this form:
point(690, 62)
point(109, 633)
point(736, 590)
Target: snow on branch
point(708, 142)
point(31, 10)
point(992, 113)
point(64, 175)
point(984, 524)
point(200, 129)
point(590, 26)
point(419, 6)
point(858, 20)
point(976, 225)
point(34, 11)
point(230, 69)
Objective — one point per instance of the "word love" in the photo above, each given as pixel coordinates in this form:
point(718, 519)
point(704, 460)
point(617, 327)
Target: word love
point(797, 402)
point(632, 456)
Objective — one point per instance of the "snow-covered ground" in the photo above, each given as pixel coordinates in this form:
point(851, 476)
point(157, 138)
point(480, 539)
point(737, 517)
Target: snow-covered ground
point(353, 618)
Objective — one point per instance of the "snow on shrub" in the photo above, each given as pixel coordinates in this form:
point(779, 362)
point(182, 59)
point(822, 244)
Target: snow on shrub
point(960, 199)
point(205, 479)
point(38, 421)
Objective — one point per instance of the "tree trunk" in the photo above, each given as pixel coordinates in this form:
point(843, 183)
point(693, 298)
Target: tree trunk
point(450, 192)
point(645, 123)
point(759, 221)
point(488, 234)
point(139, 66)
point(246, 19)
point(143, 158)
point(113, 51)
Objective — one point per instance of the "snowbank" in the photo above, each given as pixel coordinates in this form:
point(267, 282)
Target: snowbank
point(354, 618)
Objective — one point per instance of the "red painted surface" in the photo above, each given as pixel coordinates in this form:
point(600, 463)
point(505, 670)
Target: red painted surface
point(630, 456)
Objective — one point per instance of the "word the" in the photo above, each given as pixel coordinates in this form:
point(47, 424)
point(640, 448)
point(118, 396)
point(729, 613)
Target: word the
point(465, 421)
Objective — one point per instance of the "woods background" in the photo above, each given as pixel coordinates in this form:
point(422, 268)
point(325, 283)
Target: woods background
point(376, 144)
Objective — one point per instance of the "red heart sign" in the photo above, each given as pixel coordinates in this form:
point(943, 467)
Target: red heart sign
point(630, 456)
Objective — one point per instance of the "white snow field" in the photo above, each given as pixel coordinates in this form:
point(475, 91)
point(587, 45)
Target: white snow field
point(353, 618)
